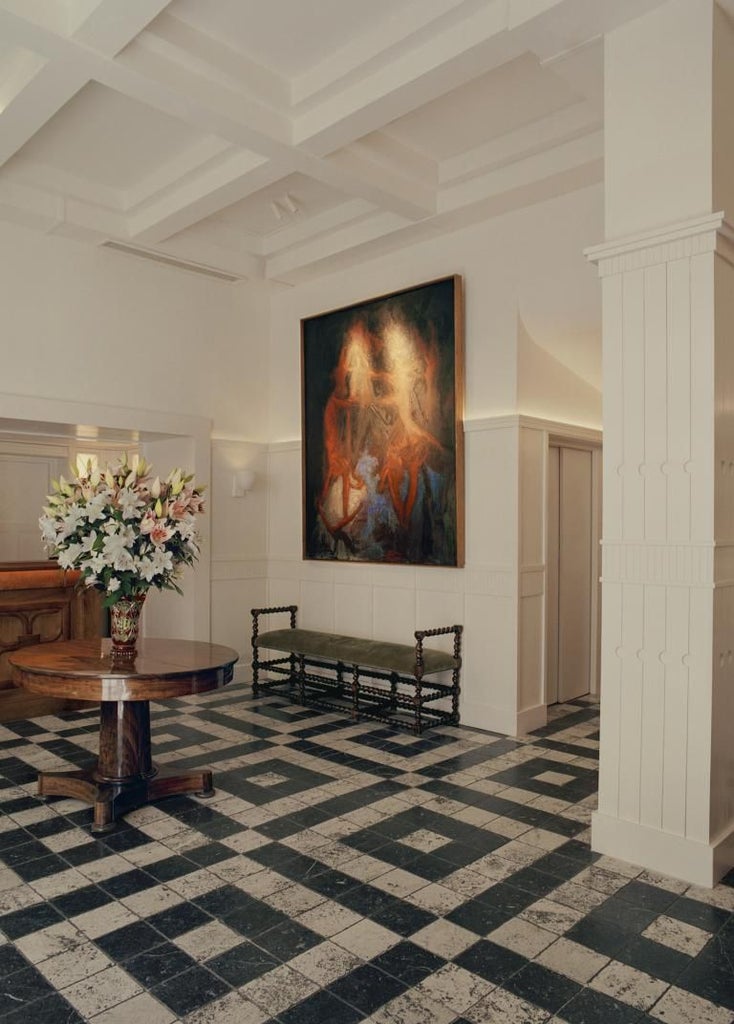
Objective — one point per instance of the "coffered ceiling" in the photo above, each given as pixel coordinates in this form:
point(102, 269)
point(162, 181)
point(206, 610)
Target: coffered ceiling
point(278, 139)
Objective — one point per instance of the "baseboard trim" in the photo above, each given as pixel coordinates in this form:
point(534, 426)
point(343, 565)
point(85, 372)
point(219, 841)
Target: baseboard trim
point(687, 859)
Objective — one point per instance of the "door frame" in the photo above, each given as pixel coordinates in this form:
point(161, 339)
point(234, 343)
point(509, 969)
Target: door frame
point(582, 442)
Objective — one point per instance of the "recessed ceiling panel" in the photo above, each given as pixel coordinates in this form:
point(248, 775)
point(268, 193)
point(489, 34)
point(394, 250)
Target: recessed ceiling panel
point(108, 139)
point(281, 204)
point(498, 102)
point(287, 37)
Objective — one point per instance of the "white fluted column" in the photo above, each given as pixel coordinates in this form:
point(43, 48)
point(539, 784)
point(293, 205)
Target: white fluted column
point(666, 797)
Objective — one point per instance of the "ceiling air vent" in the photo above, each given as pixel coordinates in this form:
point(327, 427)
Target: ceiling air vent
point(171, 261)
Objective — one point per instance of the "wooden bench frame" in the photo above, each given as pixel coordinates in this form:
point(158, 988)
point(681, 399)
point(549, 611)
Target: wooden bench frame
point(395, 697)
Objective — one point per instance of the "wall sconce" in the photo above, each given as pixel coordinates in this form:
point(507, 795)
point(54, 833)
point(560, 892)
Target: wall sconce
point(242, 482)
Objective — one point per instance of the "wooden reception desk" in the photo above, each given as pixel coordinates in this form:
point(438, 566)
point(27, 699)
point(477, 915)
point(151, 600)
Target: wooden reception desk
point(39, 604)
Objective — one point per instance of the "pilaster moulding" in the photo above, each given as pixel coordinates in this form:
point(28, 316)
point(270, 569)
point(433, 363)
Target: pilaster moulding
point(688, 565)
point(491, 582)
point(712, 233)
point(723, 564)
point(477, 580)
point(276, 447)
point(532, 581)
point(238, 439)
point(238, 569)
point(557, 428)
point(504, 422)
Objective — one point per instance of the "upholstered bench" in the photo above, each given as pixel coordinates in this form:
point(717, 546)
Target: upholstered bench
point(367, 678)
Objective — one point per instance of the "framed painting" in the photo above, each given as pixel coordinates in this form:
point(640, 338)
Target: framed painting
point(382, 403)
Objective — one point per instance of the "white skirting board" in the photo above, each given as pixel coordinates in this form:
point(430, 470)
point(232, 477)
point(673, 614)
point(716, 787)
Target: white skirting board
point(503, 720)
point(687, 859)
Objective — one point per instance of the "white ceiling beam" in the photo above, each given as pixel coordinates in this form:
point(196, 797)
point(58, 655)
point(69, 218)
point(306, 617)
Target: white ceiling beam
point(407, 26)
point(206, 106)
point(555, 28)
point(169, 87)
point(64, 183)
point(210, 107)
point(420, 195)
point(42, 97)
point(197, 158)
point(200, 53)
point(22, 205)
point(207, 194)
point(409, 79)
point(52, 16)
point(233, 261)
point(572, 122)
point(341, 240)
point(581, 152)
point(112, 25)
point(88, 223)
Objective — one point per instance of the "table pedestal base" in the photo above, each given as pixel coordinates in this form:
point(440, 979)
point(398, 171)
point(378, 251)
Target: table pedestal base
point(125, 776)
point(111, 798)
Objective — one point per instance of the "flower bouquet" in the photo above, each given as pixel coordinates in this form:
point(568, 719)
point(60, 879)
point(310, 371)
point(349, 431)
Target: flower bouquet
point(125, 532)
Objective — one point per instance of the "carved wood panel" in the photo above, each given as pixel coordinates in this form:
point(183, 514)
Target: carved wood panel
point(39, 604)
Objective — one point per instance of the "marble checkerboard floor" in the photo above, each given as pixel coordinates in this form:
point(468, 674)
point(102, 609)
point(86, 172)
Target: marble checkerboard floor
point(343, 873)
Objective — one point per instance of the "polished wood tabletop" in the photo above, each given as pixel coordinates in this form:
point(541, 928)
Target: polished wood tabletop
point(124, 776)
point(85, 669)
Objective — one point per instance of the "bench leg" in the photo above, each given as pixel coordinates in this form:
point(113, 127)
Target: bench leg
point(418, 707)
point(355, 693)
point(301, 678)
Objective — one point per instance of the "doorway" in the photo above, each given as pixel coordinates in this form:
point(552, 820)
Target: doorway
point(572, 572)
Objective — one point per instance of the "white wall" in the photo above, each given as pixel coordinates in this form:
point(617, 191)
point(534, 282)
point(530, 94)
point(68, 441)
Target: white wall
point(84, 323)
point(509, 265)
point(158, 349)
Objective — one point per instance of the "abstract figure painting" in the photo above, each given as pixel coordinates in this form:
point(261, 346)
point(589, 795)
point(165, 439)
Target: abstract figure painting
point(382, 430)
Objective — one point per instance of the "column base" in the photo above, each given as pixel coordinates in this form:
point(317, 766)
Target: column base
point(698, 863)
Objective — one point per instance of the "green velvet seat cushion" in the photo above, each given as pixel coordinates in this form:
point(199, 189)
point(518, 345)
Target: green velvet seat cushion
point(352, 650)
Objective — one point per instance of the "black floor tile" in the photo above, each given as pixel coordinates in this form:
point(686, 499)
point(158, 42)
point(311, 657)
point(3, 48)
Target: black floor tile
point(11, 961)
point(590, 1007)
point(711, 975)
point(51, 1009)
point(242, 963)
point(126, 942)
point(128, 883)
point(188, 991)
point(492, 962)
point(694, 912)
point(598, 934)
point(653, 958)
point(89, 897)
point(146, 950)
point(22, 988)
point(367, 988)
point(321, 1008)
point(179, 919)
point(542, 987)
point(408, 963)
point(158, 963)
point(31, 919)
point(288, 940)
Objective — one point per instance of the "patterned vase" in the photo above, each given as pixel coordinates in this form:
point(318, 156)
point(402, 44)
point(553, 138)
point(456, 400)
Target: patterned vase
point(124, 625)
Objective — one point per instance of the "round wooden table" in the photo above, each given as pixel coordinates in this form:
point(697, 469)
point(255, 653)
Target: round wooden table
point(124, 776)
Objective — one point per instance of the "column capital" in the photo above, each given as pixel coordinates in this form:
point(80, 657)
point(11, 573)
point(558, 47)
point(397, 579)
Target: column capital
point(686, 238)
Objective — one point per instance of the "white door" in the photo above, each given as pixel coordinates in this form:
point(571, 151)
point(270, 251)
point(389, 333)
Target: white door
point(569, 576)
